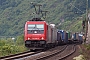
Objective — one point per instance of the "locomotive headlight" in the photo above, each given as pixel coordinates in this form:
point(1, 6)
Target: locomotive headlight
point(35, 31)
point(28, 38)
point(42, 38)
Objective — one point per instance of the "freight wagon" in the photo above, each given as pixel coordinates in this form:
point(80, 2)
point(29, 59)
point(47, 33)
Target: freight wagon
point(64, 36)
point(77, 38)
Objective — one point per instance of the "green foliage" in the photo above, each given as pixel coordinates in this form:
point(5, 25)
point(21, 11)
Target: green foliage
point(20, 40)
point(73, 26)
point(2, 42)
point(14, 13)
point(87, 46)
point(10, 46)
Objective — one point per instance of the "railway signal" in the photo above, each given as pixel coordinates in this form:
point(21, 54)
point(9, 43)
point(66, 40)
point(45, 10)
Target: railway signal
point(83, 24)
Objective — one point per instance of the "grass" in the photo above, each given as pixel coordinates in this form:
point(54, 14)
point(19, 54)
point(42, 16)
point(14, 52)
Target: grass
point(85, 51)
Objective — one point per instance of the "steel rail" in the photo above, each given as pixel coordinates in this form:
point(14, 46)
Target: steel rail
point(47, 56)
point(74, 49)
point(19, 55)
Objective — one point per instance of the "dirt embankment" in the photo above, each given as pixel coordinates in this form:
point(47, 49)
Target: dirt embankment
point(85, 51)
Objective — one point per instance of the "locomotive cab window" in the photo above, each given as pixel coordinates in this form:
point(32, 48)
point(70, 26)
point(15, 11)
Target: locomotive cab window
point(40, 27)
point(37, 28)
point(30, 27)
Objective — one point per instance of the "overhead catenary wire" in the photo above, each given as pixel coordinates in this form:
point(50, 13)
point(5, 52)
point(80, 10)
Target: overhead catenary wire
point(76, 8)
point(39, 11)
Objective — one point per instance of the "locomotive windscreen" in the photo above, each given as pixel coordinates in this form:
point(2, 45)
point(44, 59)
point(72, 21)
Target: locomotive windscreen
point(35, 28)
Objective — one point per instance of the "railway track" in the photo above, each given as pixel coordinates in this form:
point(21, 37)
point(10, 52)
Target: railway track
point(60, 55)
point(52, 54)
point(48, 53)
point(68, 54)
point(57, 54)
point(19, 55)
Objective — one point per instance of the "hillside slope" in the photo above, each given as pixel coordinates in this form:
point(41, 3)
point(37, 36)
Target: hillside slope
point(14, 13)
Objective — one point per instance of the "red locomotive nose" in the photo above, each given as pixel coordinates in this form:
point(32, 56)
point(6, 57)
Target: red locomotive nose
point(36, 34)
point(36, 37)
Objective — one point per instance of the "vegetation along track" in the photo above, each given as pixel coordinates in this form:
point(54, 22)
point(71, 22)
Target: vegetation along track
point(19, 55)
point(57, 54)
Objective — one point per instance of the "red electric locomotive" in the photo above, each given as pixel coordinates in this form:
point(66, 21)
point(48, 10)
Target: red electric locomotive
point(39, 34)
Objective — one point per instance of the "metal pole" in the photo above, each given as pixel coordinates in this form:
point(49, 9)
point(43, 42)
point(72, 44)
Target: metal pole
point(86, 20)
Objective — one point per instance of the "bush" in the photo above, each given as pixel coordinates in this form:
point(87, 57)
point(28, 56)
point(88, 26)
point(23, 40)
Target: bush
point(8, 47)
